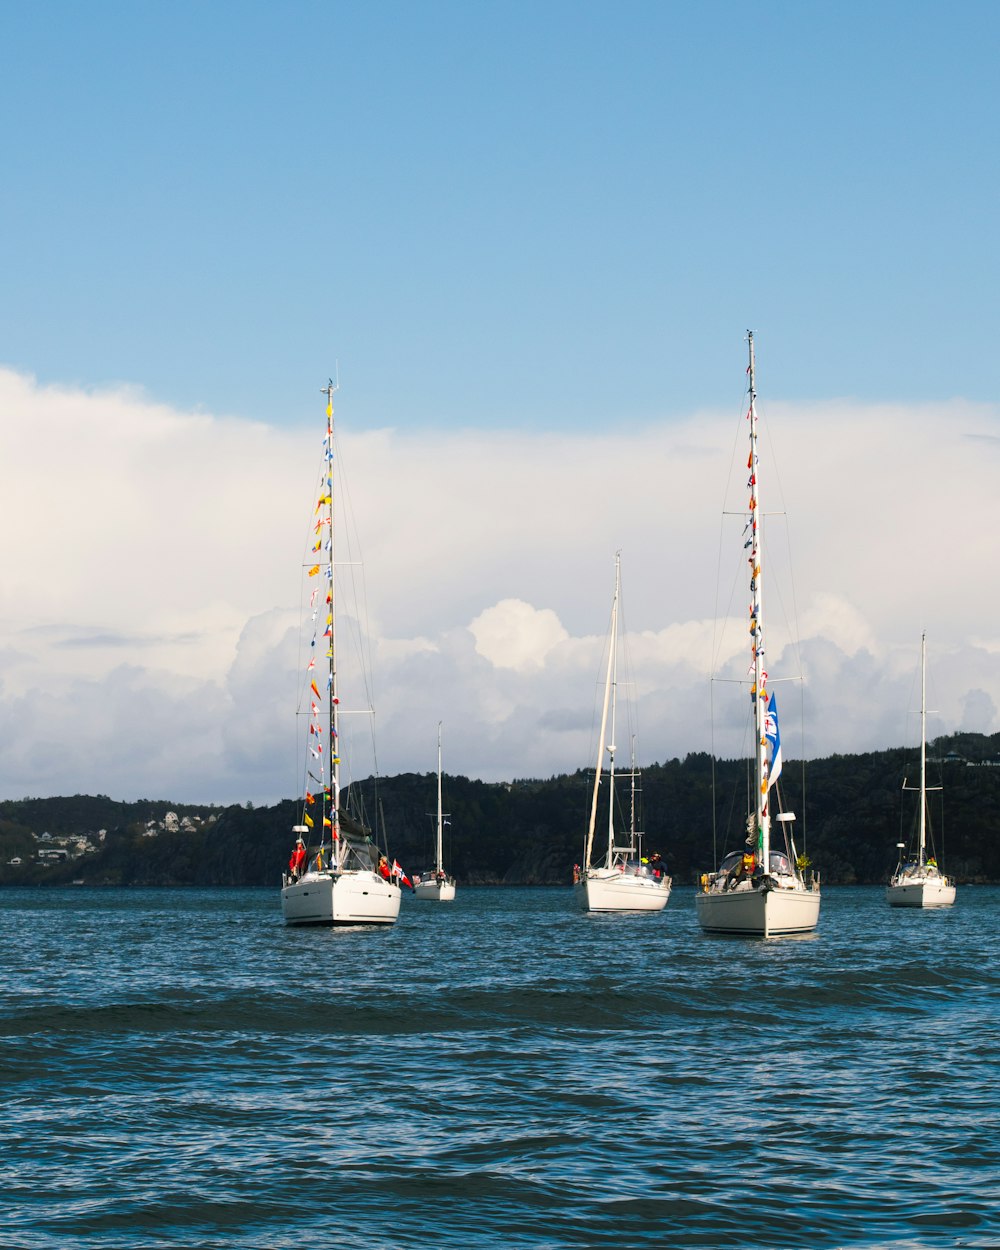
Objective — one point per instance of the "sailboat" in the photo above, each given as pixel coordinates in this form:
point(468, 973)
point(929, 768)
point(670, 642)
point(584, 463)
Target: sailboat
point(917, 881)
point(624, 881)
point(760, 890)
point(336, 875)
point(437, 885)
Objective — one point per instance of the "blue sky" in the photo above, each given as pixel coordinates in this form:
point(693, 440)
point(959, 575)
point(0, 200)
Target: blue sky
point(552, 216)
point(531, 237)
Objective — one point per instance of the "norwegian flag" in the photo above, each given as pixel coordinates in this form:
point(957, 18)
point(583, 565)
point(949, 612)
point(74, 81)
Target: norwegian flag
point(398, 873)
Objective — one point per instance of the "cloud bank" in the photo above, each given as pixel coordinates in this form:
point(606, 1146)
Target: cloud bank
point(150, 591)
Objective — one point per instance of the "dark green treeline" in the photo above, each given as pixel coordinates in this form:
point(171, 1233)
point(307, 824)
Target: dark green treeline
point(851, 812)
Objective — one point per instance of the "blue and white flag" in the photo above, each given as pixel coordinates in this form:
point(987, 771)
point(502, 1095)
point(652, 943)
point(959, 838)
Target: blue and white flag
point(773, 740)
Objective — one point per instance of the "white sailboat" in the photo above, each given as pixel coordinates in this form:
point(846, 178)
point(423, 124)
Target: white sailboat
point(336, 875)
point(437, 885)
point(917, 881)
point(624, 881)
point(760, 890)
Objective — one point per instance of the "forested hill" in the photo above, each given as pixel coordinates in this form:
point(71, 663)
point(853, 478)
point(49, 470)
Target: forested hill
point(851, 812)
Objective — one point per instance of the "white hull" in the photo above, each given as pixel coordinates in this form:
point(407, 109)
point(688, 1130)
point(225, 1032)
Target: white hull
point(920, 892)
point(435, 891)
point(608, 889)
point(357, 897)
point(759, 913)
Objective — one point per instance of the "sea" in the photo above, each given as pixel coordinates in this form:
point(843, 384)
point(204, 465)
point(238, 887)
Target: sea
point(179, 1069)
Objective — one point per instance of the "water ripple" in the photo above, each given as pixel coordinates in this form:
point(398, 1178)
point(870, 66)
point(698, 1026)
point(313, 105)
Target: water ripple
point(504, 1072)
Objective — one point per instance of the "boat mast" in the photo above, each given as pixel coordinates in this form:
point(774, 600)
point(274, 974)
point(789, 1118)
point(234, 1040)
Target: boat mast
point(631, 820)
point(604, 719)
point(333, 742)
point(440, 817)
point(923, 746)
point(759, 690)
point(614, 706)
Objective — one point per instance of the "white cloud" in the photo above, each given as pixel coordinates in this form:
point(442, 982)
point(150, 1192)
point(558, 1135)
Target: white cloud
point(513, 634)
point(979, 712)
point(831, 615)
point(151, 582)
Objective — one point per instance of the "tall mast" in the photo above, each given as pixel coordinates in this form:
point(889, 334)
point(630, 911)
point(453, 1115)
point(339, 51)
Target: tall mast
point(333, 742)
point(631, 821)
point(759, 690)
point(614, 704)
point(604, 719)
point(440, 816)
point(923, 745)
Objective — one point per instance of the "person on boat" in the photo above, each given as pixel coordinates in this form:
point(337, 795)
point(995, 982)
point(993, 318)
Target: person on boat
point(656, 865)
point(383, 868)
point(743, 869)
point(297, 860)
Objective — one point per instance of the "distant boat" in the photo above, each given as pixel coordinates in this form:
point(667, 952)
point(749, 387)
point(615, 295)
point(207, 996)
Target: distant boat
point(336, 875)
point(917, 881)
point(437, 885)
point(625, 881)
point(760, 890)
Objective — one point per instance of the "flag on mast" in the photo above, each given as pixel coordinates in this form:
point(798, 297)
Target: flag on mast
point(774, 741)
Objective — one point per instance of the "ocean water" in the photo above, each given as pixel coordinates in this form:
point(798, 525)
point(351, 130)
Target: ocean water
point(181, 1070)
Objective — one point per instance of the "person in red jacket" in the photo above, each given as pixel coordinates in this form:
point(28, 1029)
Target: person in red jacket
point(297, 860)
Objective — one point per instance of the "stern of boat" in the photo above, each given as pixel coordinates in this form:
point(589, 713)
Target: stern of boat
point(435, 891)
point(757, 909)
point(348, 898)
point(609, 890)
